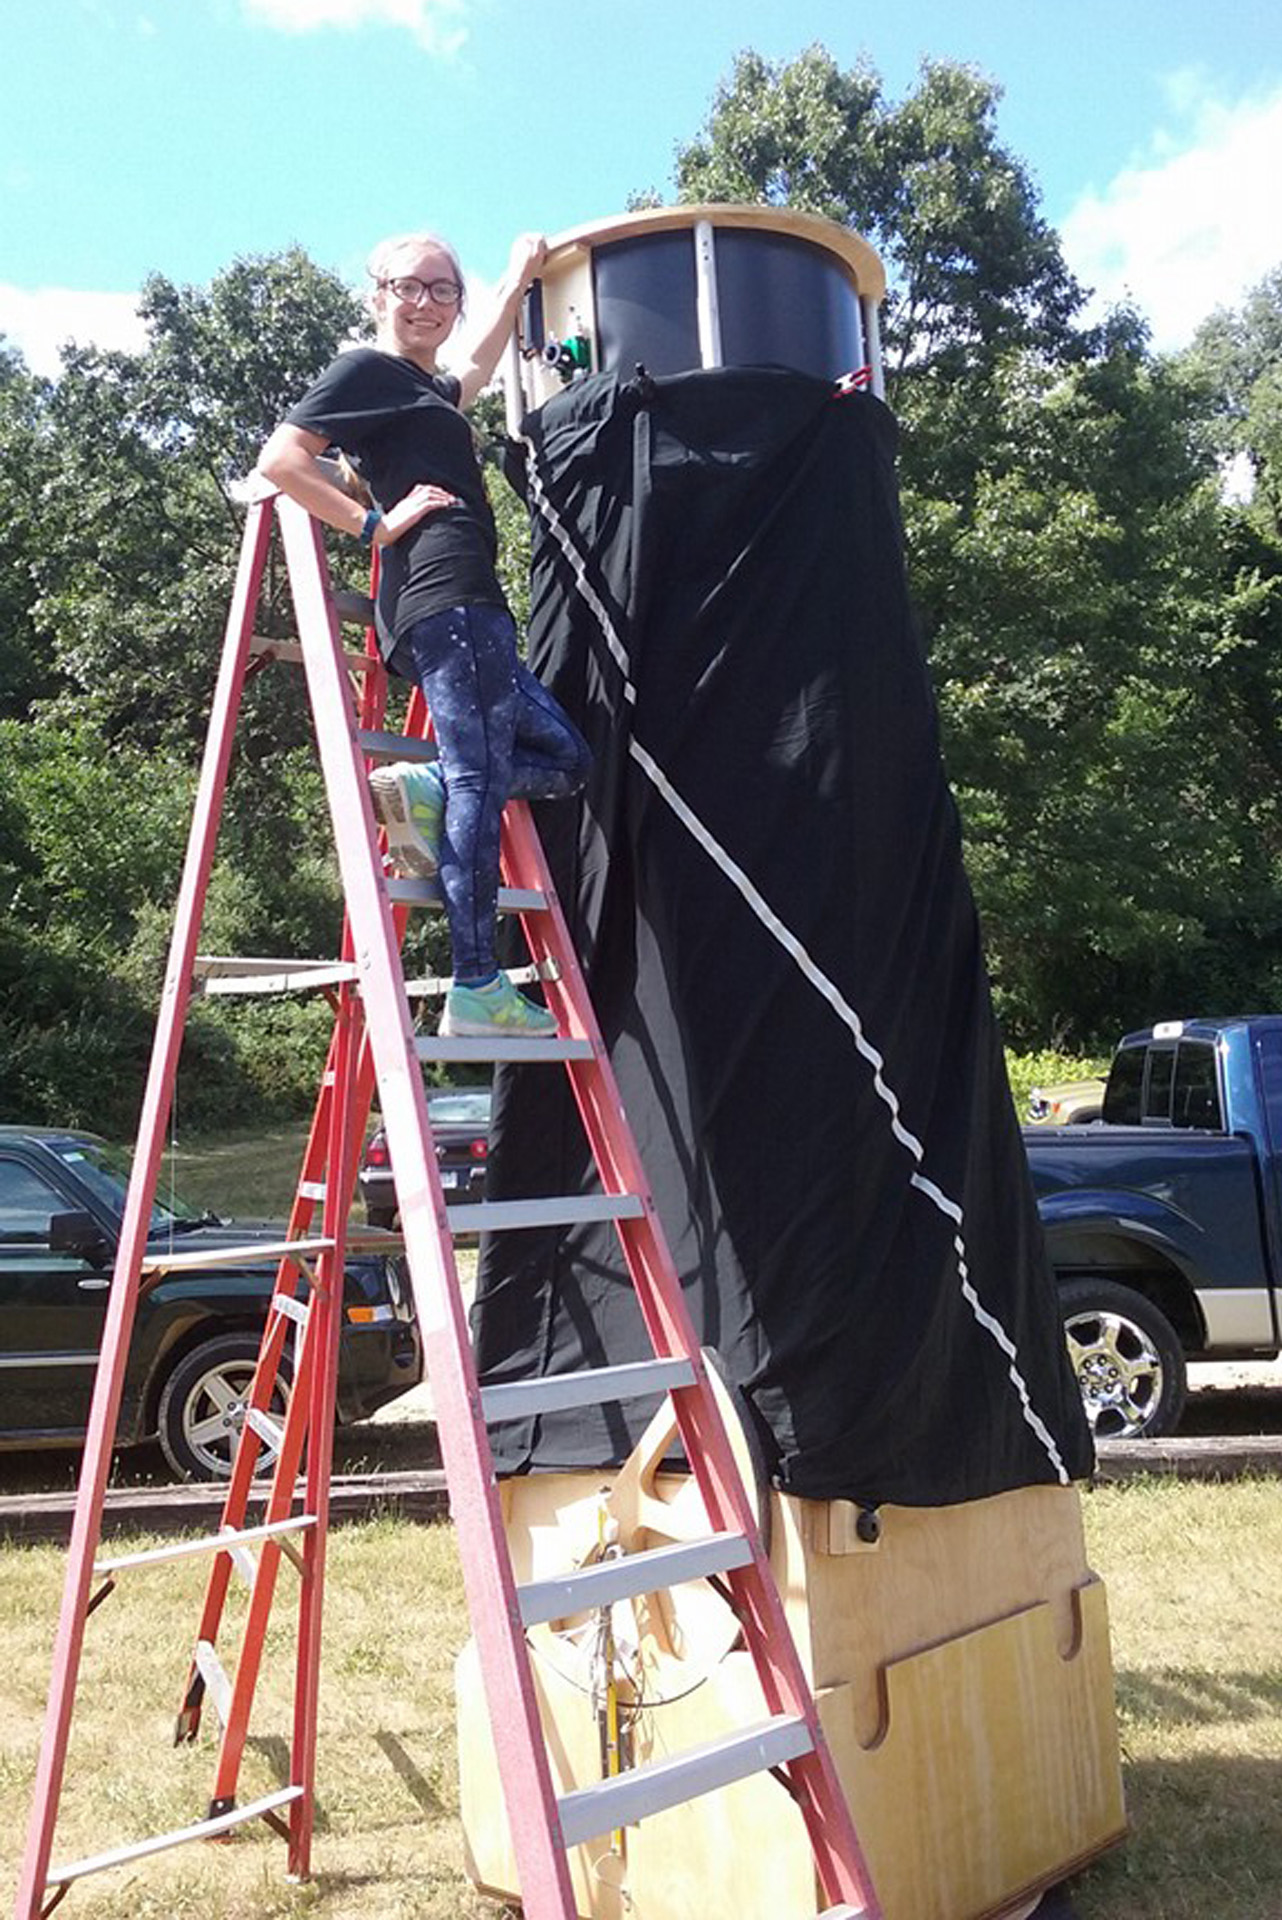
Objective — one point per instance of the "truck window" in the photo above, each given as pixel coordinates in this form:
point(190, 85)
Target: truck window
point(1268, 1048)
point(1124, 1092)
point(1157, 1093)
point(1195, 1089)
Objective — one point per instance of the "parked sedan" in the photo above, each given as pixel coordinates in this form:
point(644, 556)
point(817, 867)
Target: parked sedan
point(460, 1118)
point(196, 1333)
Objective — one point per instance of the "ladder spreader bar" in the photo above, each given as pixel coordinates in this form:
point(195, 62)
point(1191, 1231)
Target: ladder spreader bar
point(643, 1791)
point(443, 1047)
point(260, 1255)
point(208, 1543)
point(594, 1386)
point(606, 1581)
point(499, 1216)
point(61, 1876)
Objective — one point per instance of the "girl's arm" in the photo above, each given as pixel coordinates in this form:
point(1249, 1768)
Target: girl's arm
point(528, 254)
point(291, 461)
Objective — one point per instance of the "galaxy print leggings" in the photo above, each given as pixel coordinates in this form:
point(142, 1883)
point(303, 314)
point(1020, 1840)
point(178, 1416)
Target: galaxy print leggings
point(500, 735)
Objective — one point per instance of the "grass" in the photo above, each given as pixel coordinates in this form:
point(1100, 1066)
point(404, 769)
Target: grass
point(387, 1837)
point(1192, 1575)
point(250, 1174)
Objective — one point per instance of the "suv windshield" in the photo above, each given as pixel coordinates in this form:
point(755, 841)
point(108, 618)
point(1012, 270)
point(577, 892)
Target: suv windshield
point(105, 1171)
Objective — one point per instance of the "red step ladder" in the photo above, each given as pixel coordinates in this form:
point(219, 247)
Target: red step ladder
point(375, 1042)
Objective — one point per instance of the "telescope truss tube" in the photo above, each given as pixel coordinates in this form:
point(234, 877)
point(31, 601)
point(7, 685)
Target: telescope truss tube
point(706, 305)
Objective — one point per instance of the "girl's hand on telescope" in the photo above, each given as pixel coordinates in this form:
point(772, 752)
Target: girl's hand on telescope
point(529, 251)
point(417, 504)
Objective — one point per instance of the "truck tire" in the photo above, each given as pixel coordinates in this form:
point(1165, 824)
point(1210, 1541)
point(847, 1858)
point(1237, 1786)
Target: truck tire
point(202, 1407)
point(1127, 1358)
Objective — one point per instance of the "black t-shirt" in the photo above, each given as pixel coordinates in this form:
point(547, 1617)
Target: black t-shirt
point(399, 425)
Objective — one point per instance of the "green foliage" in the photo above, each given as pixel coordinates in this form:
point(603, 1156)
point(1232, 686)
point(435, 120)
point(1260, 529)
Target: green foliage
point(1103, 629)
point(117, 561)
point(1047, 1067)
point(1236, 362)
point(25, 667)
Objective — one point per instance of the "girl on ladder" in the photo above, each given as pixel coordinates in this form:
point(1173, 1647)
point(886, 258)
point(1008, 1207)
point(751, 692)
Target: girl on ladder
point(442, 618)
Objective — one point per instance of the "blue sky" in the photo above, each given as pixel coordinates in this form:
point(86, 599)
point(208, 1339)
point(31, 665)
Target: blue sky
point(174, 135)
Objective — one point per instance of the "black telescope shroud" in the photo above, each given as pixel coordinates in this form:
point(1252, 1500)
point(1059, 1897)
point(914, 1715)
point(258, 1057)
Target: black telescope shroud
point(765, 885)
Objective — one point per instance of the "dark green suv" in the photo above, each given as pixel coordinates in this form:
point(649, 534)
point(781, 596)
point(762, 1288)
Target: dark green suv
point(196, 1334)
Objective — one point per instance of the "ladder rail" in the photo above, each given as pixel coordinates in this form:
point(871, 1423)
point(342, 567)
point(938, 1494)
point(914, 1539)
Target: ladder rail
point(478, 1519)
point(316, 1170)
point(839, 1857)
point(373, 1042)
point(105, 1404)
point(321, 1414)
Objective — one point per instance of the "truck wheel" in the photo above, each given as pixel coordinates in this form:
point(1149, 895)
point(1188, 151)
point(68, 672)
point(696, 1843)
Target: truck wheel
point(1127, 1358)
point(202, 1407)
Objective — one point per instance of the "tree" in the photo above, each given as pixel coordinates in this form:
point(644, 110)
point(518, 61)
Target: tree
point(1236, 361)
point(973, 268)
point(116, 570)
point(26, 669)
point(1106, 690)
point(141, 530)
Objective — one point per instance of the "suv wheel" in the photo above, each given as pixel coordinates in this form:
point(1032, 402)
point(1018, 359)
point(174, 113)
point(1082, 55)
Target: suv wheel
point(202, 1408)
point(1127, 1358)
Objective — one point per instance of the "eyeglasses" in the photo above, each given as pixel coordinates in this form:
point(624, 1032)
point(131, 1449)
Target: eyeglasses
point(443, 293)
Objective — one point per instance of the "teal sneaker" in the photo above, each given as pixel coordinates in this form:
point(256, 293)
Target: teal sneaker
point(409, 799)
point(484, 1012)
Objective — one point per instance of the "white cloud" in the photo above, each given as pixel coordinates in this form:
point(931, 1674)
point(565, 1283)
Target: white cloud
point(437, 25)
point(1193, 226)
point(38, 321)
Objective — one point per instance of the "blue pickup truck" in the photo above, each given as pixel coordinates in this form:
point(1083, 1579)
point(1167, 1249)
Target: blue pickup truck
point(1163, 1219)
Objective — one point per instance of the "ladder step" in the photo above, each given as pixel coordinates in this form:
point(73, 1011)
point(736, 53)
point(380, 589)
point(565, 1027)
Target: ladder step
point(441, 1047)
point(265, 1427)
point(285, 1303)
point(292, 980)
point(427, 893)
point(215, 1676)
point(600, 1585)
point(434, 986)
point(356, 608)
point(208, 1543)
point(213, 966)
point(61, 1876)
point(290, 653)
point(642, 1791)
point(259, 1254)
point(501, 1216)
point(595, 1386)
point(394, 746)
